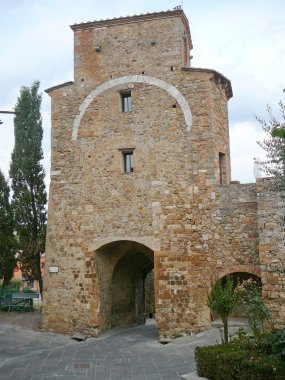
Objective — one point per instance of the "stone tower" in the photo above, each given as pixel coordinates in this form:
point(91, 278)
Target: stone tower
point(140, 174)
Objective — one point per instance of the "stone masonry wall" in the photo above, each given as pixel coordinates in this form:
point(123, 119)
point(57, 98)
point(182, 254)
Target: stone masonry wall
point(272, 249)
point(150, 45)
point(234, 232)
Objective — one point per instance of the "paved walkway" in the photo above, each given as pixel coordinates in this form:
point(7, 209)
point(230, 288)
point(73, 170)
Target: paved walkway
point(125, 354)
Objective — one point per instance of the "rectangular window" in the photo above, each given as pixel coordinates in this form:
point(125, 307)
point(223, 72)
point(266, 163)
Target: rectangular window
point(128, 161)
point(126, 100)
point(186, 52)
point(222, 168)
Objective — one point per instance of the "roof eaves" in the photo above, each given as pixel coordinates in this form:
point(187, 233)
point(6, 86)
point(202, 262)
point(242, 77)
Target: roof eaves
point(58, 86)
point(217, 76)
point(126, 19)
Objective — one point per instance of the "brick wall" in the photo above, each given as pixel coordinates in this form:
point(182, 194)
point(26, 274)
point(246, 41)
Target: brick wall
point(272, 248)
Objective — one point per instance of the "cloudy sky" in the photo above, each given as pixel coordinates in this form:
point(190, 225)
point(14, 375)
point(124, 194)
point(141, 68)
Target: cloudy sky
point(244, 40)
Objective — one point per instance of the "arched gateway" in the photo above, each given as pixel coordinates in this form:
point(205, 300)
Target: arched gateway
point(123, 266)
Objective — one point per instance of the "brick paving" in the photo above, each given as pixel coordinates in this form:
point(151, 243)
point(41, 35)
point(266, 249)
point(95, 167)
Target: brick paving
point(123, 354)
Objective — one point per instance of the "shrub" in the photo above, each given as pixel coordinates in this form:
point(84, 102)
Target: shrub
point(13, 285)
point(244, 358)
point(5, 291)
point(229, 362)
point(273, 344)
point(27, 290)
point(257, 313)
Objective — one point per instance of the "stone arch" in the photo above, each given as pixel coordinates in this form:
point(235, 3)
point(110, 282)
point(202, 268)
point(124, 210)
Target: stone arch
point(172, 90)
point(240, 273)
point(122, 266)
point(149, 242)
point(252, 269)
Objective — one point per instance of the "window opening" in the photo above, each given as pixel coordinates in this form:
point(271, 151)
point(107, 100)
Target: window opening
point(126, 101)
point(186, 51)
point(222, 159)
point(128, 166)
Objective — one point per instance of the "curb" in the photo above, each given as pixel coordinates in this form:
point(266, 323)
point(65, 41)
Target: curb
point(192, 376)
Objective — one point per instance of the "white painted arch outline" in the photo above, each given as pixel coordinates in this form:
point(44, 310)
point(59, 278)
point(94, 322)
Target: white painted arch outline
point(133, 79)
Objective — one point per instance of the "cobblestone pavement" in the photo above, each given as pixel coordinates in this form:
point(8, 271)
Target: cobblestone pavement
point(125, 354)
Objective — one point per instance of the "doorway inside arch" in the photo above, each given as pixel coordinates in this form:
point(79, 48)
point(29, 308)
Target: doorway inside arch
point(124, 268)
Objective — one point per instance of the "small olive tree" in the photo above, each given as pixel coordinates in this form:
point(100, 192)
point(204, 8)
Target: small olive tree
point(223, 300)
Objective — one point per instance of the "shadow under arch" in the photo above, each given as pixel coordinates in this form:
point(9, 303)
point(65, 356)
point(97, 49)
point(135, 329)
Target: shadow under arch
point(251, 269)
point(123, 266)
point(239, 277)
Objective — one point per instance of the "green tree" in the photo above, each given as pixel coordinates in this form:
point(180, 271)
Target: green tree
point(257, 313)
point(278, 132)
point(279, 127)
point(223, 300)
point(27, 174)
point(7, 239)
point(274, 146)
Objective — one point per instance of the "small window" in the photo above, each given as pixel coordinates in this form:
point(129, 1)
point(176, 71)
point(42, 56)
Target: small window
point(126, 101)
point(222, 168)
point(186, 51)
point(128, 161)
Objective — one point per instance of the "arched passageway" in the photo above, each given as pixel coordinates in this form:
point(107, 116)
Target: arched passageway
point(123, 267)
point(239, 278)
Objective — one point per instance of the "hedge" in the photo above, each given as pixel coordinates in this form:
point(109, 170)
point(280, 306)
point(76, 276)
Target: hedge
point(229, 362)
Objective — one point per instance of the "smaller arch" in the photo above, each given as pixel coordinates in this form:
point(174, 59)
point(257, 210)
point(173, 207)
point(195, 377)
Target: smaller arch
point(252, 269)
point(239, 274)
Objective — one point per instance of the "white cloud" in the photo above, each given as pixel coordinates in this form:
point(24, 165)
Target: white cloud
point(244, 148)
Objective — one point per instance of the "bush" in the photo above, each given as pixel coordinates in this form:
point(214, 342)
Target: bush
point(273, 344)
point(27, 290)
point(5, 291)
point(244, 358)
point(14, 286)
point(257, 313)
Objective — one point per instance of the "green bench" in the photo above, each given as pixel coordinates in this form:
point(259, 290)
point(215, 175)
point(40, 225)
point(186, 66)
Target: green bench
point(12, 301)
